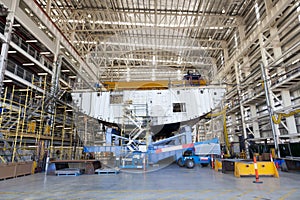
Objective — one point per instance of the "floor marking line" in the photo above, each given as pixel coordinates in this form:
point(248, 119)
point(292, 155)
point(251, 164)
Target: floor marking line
point(288, 194)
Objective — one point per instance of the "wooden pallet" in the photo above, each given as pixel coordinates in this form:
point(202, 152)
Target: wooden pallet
point(106, 171)
point(68, 172)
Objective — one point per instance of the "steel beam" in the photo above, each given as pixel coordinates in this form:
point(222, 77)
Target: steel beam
point(279, 7)
point(64, 41)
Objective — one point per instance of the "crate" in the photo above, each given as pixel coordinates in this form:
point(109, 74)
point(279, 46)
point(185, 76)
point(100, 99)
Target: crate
point(12, 170)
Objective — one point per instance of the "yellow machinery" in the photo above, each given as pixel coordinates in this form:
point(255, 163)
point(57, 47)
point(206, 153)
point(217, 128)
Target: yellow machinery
point(218, 165)
point(223, 113)
point(146, 85)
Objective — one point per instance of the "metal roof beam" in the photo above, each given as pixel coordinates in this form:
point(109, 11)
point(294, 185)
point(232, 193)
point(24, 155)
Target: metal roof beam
point(280, 6)
point(52, 27)
point(147, 11)
point(161, 46)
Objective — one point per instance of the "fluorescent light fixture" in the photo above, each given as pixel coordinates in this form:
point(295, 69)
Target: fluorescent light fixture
point(12, 51)
point(45, 52)
point(7, 81)
point(27, 10)
point(28, 64)
point(72, 76)
point(42, 74)
point(84, 42)
point(65, 70)
point(31, 41)
point(16, 25)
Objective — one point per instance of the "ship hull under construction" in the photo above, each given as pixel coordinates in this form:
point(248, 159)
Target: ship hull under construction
point(165, 110)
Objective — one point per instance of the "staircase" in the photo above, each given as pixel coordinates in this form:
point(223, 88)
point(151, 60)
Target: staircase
point(138, 132)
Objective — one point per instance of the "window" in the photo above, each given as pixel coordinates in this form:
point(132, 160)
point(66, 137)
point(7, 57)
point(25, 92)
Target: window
point(179, 107)
point(116, 99)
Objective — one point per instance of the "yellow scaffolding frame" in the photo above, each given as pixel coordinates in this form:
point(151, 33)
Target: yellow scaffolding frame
point(25, 112)
point(42, 110)
point(23, 108)
point(16, 135)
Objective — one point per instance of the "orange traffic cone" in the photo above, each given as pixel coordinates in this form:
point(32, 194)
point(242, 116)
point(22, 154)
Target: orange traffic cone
point(256, 171)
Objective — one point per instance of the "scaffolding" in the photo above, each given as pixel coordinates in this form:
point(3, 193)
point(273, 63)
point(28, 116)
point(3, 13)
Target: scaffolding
point(35, 125)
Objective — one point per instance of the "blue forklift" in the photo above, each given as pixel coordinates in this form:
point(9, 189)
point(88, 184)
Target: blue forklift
point(199, 154)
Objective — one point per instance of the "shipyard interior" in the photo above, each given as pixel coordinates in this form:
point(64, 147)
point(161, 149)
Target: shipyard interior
point(150, 99)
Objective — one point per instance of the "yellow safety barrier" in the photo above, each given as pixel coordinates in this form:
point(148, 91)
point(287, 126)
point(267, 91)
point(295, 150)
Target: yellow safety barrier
point(247, 169)
point(218, 165)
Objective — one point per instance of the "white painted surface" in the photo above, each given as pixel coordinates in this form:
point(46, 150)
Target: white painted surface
point(158, 104)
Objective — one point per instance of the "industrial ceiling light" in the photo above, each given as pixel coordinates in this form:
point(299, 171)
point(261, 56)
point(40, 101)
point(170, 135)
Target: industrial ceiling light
point(45, 52)
point(31, 41)
point(28, 64)
point(65, 70)
point(42, 74)
point(27, 10)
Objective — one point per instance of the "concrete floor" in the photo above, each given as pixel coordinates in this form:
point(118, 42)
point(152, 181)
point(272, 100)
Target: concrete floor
point(170, 182)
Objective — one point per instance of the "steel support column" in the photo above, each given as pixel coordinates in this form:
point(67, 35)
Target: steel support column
point(275, 130)
point(237, 75)
point(255, 125)
point(7, 37)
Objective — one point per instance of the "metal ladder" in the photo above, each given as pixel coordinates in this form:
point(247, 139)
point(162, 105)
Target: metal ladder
point(135, 133)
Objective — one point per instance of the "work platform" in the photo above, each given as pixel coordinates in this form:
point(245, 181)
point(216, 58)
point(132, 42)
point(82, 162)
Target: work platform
point(107, 171)
point(86, 166)
point(290, 163)
point(68, 172)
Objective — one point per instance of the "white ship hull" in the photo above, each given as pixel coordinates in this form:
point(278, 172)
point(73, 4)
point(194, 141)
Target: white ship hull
point(174, 107)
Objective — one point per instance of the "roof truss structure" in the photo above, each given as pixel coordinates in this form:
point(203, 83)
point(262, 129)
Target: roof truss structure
point(159, 37)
